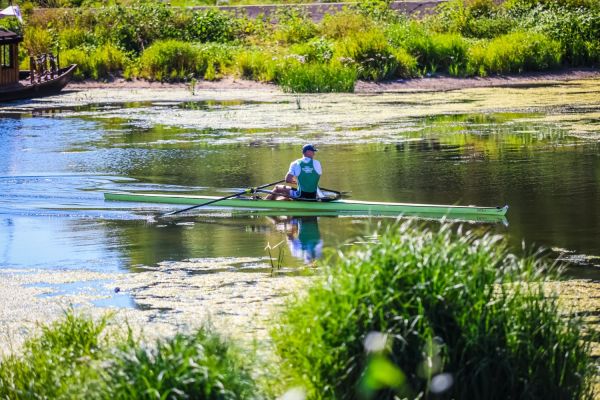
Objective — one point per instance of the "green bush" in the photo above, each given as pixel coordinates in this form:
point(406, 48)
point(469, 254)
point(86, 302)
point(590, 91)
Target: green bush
point(258, 65)
point(407, 66)
point(71, 38)
point(378, 10)
point(199, 366)
point(102, 62)
point(447, 51)
point(474, 18)
point(372, 54)
point(77, 358)
point(419, 308)
point(433, 51)
point(316, 50)
point(170, 60)
point(520, 4)
point(515, 52)
point(299, 77)
point(38, 41)
point(577, 29)
point(212, 26)
point(57, 364)
point(215, 59)
point(137, 25)
point(294, 27)
point(345, 23)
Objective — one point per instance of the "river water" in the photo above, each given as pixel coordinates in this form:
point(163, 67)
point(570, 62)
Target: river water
point(536, 149)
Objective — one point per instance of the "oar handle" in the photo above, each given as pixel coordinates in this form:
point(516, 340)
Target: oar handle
point(250, 190)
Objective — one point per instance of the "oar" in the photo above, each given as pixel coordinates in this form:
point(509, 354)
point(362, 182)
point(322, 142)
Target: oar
point(335, 191)
point(247, 191)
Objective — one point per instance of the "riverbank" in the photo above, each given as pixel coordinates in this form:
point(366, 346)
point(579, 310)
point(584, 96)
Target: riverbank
point(236, 296)
point(432, 83)
point(171, 298)
point(367, 43)
point(241, 298)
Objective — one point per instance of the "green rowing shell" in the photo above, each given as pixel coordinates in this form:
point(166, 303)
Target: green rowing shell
point(341, 206)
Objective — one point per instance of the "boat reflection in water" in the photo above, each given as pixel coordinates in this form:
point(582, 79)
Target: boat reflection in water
point(303, 236)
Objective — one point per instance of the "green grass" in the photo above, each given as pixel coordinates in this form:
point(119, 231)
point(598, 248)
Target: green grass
point(397, 317)
point(78, 358)
point(514, 53)
point(59, 363)
point(102, 62)
point(299, 77)
point(198, 366)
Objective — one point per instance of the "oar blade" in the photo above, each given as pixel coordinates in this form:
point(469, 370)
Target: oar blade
point(246, 191)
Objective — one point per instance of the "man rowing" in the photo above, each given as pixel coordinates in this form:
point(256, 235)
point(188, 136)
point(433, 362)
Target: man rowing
point(305, 173)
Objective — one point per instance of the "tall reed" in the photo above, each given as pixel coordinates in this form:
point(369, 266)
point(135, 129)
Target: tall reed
point(422, 313)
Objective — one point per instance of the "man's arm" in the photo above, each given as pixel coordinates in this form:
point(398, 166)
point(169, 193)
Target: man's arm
point(290, 178)
point(292, 173)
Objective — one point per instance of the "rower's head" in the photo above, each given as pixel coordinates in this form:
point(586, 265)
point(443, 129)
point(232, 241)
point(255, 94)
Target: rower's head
point(309, 150)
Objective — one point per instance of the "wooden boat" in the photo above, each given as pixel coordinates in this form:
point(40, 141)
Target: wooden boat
point(336, 206)
point(25, 89)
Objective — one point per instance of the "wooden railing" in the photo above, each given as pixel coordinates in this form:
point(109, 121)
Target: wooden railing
point(43, 67)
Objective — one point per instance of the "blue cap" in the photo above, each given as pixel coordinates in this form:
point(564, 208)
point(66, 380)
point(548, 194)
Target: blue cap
point(308, 147)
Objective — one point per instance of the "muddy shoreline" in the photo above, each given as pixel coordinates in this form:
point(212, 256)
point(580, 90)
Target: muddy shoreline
point(434, 83)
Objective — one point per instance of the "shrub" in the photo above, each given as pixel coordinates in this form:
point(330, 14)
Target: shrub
point(257, 65)
point(77, 358)
point(38, 41)
point(447, 51)
point(169, 60)
point(515, 52)
point(316, 50)
point(212, 26)
point(298, 77)
point(214, 59)
point(419, 308)
point(433, 51)
point(577, 30)
point(345, 23)
point(372, 54)
point(198, 366)
point(294, 27)
point(75, 37)
point(137, 25)
point(108, 60)
point(473, 18)
point(96, 63)
point(406, 64)
point(512, 4)
point(56, 364)
point(378, 10)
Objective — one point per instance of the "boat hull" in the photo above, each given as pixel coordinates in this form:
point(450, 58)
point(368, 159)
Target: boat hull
point(41, 89)
point(337, 206)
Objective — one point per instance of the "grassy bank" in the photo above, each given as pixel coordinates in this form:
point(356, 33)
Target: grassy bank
point(151, 40)
point(414, 314)
point(78, 358)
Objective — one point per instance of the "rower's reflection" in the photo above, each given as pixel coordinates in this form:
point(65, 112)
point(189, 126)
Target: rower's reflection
point(303, 236)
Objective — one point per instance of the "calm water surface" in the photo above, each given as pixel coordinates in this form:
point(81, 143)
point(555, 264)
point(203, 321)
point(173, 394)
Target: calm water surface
point(55, 163)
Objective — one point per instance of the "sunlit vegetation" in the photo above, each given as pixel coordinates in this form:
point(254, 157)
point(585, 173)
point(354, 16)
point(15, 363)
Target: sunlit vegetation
point(422, 313)
point(414, 313)
point(152, 40)
point(78, 358)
